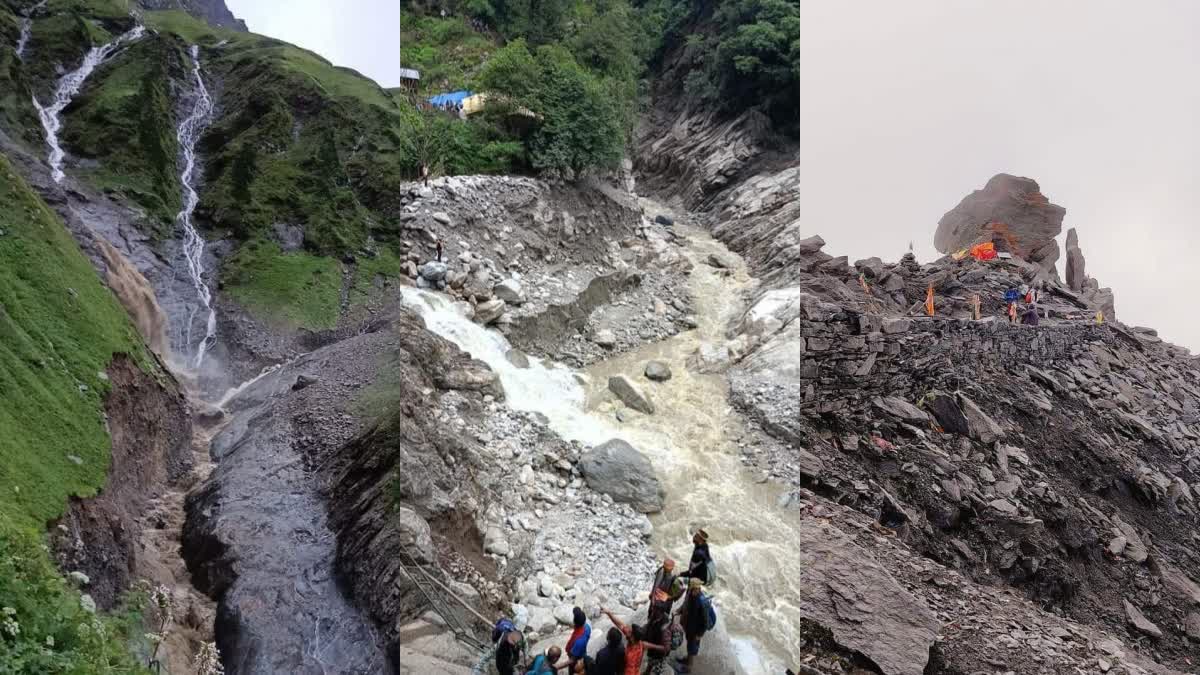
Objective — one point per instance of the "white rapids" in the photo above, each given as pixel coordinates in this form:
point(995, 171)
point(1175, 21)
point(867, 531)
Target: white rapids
point(27, 28)
point(690, 441)
point(68, 87)
point(188, 134)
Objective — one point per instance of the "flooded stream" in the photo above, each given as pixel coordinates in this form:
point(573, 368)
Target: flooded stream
point(691, 442)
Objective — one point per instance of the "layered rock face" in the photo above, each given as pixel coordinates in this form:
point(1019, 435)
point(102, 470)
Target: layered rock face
point(1010, 211)
point(1078, 280)
point(213, 11)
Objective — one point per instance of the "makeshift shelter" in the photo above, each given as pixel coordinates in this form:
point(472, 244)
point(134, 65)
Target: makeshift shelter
point(450, 101)
point(410, 79)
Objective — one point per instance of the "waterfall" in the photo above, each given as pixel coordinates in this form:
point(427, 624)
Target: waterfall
point(193, 244)
point(68, 86)
point(27, 28)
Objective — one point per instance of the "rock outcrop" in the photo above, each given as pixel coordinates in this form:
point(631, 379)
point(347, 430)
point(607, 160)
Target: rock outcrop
point(1013, 213)
point(214, 12)
point(1075, 262)
point(617, 469)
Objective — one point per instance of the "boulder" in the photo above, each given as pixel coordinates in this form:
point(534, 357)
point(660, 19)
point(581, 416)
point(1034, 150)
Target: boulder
point(724, 261)
point(517, 358)
point(663, 219)
point(541, 620)
point(901, 409)
point(1191, 626)
point(809, 246)
point(1075, 262)
point(1134, 549)
point(605, 338)
point(434, 271)
point(979, 425)
point(895, 325)
point(509, 291)
point(620, 471)
point(442, 217)
point(495, 543)
point(1139, 620)
point(630, 394)
point(947, 413)
point(1009, 211)
point(657, 371)
point(488, 312)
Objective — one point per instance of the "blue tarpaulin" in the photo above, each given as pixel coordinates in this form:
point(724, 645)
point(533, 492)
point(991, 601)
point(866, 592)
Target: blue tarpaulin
point(453, 98)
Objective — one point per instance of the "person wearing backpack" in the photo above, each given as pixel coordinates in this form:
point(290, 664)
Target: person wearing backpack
point(698, 617)
point(701, 565)
point(509, 646)
point(610, 660)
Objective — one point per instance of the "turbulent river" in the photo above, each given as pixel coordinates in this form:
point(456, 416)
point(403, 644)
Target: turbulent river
point(690, 440)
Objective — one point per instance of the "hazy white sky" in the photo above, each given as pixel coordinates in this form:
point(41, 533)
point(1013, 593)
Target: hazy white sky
point(908, 106)
point(359, 34)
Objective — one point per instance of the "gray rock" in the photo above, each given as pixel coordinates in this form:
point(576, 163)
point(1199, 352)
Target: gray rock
point(1135, 549)
point(724, 261)
point(901, 409)
point(509, 291)
point(1139, 620)
point(517, 358)
point(663, 219)
point(541, 620)
point(1191, 626)
point(433, 271)
point(1004, 506)
point(979, 425)
point(947, 413)
point(289, 237)
point(442, 217)
point(409, 268)
point(619, 470)
point(630, 394)
point(495, 543)
point(1075, 262)
point(605, 338)
point(810, 245)
point(657, 371)
point(488, 312)
point(303, 381)
point(425, 192)
point(1179, 583)
point(1010, 210)
point(564, 614)
point(893, 325)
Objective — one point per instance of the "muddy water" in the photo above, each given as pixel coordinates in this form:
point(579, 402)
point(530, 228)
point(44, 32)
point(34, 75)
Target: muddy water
point(690, 441)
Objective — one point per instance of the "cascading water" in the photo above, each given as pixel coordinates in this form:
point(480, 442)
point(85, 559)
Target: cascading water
point(690, 441)
point(27, 28)
point(193, 244)
point(67, 88)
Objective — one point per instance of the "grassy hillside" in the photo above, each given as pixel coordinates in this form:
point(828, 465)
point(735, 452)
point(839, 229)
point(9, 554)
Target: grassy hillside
point(59, 329)
point(448, 52)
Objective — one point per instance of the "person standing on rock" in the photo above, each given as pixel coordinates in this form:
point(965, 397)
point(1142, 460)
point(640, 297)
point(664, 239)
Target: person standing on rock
point(637, 644)
point(610, 660)
point(701, 563)
point(694, 615)
point(425, 174)
point(439, 249)
point(580, 635)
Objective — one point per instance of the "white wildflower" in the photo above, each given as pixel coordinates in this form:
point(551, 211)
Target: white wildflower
point(10, 626)
point(208, 660)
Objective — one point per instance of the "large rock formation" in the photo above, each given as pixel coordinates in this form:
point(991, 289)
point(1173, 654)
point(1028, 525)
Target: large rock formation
point(1010, 211)
point(1075, 262)
point(213, 11)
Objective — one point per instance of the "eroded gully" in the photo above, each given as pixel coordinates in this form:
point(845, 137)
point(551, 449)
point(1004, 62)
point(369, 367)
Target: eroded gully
point(691, 442)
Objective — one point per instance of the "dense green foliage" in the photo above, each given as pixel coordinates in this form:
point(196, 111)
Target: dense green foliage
point(447, 52)
point(59, 329)
point(579, 125)
point(297, 290)
point(742, 53)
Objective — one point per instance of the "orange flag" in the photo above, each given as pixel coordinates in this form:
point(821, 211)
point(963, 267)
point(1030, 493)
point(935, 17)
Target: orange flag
point(929, 301)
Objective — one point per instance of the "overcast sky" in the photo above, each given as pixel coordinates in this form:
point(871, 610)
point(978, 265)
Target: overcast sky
point(908, 106)
point(360, 34)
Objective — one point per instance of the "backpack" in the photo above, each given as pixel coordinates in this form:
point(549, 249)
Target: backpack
point(503, 626)
point(709, 611)
point(1011, 295)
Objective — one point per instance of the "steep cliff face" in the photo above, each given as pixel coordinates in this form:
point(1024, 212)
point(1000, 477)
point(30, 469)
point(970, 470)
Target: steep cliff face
point(215, 12)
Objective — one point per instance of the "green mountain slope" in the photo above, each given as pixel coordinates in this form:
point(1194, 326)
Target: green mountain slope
point(59, 329)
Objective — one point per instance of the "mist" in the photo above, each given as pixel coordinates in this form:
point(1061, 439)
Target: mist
point(906, 107)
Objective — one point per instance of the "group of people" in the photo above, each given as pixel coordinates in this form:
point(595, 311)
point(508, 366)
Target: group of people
point(629, 648)
point(1031, 295)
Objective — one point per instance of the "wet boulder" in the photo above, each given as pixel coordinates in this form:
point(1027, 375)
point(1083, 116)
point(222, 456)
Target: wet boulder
point(434, 271)
point(510, 291)
point(657, 371)
point(630, 394)
point(620, 471)
point(488, 312)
